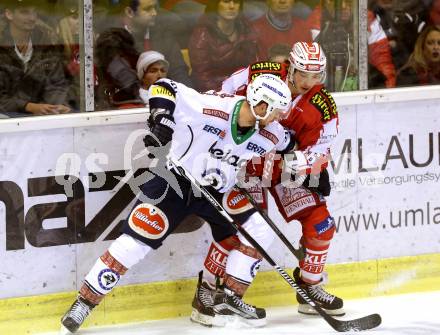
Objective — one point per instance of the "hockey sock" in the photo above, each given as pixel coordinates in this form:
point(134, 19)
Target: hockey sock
point(316, 248)
point(215, 262)
point(243, 262)
point(123, 253)
point(241, 269)
point(313, 265)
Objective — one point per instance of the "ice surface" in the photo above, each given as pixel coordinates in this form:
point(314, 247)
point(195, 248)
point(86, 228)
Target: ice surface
point(407, 314)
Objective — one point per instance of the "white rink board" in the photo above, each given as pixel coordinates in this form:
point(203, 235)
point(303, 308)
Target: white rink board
point(395, 138)
point(26, 155)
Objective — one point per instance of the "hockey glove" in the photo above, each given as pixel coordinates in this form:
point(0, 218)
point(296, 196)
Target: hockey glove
point(214, 178)
point(161, 129)
point(294, 162)
point(319, 183)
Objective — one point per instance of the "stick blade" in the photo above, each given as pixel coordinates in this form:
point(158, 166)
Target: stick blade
point(364, 323)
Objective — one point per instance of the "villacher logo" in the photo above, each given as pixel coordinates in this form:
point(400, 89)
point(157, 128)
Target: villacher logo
point(148, 221)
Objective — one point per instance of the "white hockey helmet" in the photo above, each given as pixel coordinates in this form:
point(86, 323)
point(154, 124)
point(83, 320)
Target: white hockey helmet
point(270, 89)
point(307, 57)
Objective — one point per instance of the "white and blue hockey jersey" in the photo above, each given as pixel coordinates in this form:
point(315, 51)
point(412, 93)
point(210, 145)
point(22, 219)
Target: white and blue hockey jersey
point(206, 139)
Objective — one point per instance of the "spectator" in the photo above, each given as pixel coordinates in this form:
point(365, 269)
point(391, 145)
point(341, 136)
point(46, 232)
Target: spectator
point(279, 26)
point(222, 42)
point(153, 30)
point(379, 55)
point(151, 66)
point(193, 9)
point(434, 13)
point(423, 66)
point(402, 22)
point(32, 80)
point(136, 27)
point(116, 57)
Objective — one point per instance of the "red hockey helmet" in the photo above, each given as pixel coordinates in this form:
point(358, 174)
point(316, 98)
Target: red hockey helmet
point(307, 57)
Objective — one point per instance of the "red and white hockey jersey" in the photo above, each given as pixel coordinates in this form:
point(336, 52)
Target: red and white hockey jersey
point(313, 120)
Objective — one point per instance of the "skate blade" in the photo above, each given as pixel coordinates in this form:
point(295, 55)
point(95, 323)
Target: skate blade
point(235, 321)
point(309, 310)
point(64, 331)
point(204, 320)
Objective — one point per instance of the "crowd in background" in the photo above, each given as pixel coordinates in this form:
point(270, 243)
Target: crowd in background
point(200, 43)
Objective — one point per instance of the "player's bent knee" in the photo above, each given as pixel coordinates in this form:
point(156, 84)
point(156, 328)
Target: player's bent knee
point(258, 228)
point(123, 253)
point(128, 250)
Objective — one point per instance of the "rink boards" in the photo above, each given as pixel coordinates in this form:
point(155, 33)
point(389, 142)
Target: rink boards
point(170, 299)
point(385, 174)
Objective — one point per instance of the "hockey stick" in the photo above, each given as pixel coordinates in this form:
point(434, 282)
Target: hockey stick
point(298, 253)
point(364, 323)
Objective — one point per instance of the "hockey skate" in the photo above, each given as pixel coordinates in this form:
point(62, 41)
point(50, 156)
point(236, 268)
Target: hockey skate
point(76, 315)
point(231, 309)
point(330, 303)
point(202, 304)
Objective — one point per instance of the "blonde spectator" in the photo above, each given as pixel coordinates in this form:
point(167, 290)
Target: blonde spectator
point(423, 66)
point(151, 66)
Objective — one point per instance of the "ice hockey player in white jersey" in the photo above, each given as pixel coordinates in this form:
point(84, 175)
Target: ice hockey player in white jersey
point(212, 136)
point(207, 128)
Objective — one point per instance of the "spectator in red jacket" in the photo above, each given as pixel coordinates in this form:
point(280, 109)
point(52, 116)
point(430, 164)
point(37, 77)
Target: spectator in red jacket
point(423, 66)
point(221, 42)
point(379, 52)
point(279, 26)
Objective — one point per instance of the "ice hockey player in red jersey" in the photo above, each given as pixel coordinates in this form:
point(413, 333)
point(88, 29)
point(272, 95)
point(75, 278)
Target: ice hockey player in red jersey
point(313, 121)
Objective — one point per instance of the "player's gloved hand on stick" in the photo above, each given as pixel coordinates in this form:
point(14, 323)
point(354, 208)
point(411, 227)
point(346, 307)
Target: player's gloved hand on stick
point(295, 165)
point(213, 178)
point(294, 162)
point(161, 131)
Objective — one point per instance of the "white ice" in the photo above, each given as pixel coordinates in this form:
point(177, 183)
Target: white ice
point(406, 314)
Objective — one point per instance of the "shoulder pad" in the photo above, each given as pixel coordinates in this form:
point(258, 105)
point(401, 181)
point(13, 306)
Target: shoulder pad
point(162, 95)
point(265, 67)
point(322, 100)
point(164, 88)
